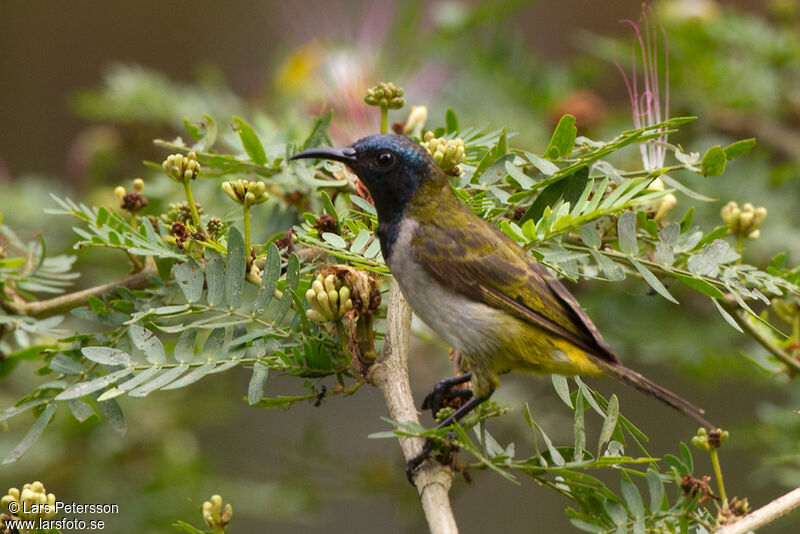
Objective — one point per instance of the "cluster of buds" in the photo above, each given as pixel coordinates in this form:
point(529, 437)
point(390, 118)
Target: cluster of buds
point(341, 288)
point(215, 227)
point(385, 95)
point(744, 221)
point(32, 503)
point(180, 212)
point(133, 201)
point(246, 193)
point(736, 508)
point(215, 516)
point(694, 486)
point(181, 168)
point(706, 440)
point(448, 153)
point(329, 299)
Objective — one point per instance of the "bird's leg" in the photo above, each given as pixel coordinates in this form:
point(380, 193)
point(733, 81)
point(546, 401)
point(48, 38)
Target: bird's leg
point(470, 405)
point(443, 390)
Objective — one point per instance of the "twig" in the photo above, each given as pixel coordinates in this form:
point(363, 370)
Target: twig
point(792, 364)
point(764, 515)
point(390, 375)
point(64, 303)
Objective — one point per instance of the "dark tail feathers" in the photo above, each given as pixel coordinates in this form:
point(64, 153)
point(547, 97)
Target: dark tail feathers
point(645, 385)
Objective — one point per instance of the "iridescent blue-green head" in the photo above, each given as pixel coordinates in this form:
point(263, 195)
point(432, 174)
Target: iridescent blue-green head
point(391, 166)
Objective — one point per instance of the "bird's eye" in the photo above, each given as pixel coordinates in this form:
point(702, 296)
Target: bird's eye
point(385, 159)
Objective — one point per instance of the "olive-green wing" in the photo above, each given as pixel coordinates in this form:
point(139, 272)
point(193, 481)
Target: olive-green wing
point(478, 261)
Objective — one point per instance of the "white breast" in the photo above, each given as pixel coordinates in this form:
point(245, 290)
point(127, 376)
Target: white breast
point(469, 326)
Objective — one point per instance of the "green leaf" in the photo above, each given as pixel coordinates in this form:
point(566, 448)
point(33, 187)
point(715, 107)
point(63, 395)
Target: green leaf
point(147, 342)
point(252, 145)
point(160, 381)
point(568, 189)
point(632, 497)
point(234, 269)
point(739, 148)
point(192, 376)
point(727, 316)
point(184, 348)
point(451, 121)
point(546, 167)
point(82, 411)
point(652, 280)
point(215, 276)
point(96, 384)
point(334, 240)
point(292, 279)
point(656, 488)
point(698, 284)
point(319, 132)
point(106, 355)
point(713, 163)
point(707, 261)
point(363, 204)
point(587, 527)
point(328, 206)
point(579, 428)
point(269, 279)
point(609, 423)
point(189, 277)
point(255, 390)
point(626, 231)
point(561, 386)
point(33, 434)
point(687, 219)
point(563, 140)
point(113, 413)
point(686, 455)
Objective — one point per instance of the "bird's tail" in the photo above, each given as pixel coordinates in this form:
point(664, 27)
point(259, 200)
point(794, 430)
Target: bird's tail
point(645, 385)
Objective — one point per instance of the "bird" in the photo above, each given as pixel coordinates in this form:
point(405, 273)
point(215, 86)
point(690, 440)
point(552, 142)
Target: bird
point(473, 285)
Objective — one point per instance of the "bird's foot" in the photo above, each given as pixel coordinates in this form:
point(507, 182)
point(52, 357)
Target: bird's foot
point(414, 463)
point(446, 391)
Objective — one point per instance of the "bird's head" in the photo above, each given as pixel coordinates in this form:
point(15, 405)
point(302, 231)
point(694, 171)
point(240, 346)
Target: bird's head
point(392, 167)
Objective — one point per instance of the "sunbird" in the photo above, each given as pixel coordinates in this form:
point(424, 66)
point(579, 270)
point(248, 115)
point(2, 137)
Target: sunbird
point(473, 285)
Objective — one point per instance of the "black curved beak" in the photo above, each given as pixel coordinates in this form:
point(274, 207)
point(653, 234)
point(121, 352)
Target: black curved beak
point(345, 155)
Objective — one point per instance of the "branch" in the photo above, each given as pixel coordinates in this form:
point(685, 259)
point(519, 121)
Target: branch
point(792, 365)
point(765, 515)
point(64, 303)
point(390, 375)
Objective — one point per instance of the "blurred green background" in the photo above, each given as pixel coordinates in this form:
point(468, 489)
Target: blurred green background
point(87, 85)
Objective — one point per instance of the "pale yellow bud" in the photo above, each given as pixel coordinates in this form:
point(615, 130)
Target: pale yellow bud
point(138, 185)
point(416, 121)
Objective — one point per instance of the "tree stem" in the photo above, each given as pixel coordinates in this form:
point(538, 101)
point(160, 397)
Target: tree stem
point(187, 188)
point(246, 217)
point(390, 375)
point(384, 120)
point(718, 476)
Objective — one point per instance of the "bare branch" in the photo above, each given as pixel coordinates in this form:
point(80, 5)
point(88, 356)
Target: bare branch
point(64, 303)
point(390, 375)
point(765, 515)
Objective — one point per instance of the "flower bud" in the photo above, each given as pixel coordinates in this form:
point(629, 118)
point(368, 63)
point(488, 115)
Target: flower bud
point(181, 168)
point(138, 185)
point(119, 192)
point(244, 192)
point(447, 153)
point(385, 95)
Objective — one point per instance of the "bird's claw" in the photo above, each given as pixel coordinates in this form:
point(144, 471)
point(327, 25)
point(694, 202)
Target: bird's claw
point(446, 390)
point(414, 463)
